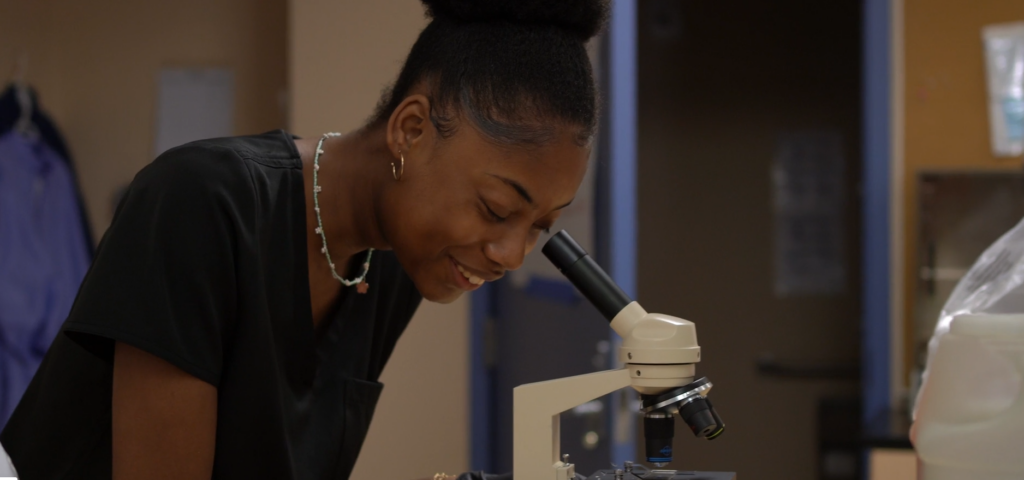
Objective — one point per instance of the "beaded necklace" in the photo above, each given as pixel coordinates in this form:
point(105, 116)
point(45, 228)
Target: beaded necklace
point(360, 281)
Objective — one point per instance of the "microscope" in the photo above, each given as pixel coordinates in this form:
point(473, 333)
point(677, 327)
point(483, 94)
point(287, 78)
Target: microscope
point(660, 353)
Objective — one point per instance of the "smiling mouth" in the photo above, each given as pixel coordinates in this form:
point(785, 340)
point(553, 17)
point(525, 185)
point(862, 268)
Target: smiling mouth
point(475, 280)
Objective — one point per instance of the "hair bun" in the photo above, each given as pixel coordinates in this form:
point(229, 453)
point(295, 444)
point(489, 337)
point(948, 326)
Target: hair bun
point(581, 18)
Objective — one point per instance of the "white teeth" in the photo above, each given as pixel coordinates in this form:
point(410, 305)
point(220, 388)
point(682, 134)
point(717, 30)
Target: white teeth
point(475, 280)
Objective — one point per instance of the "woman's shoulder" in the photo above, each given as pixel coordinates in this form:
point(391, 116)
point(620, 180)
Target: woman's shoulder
point(208, 156)
point(222, 164)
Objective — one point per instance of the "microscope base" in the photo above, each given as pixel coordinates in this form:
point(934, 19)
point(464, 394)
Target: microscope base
point(666, 475)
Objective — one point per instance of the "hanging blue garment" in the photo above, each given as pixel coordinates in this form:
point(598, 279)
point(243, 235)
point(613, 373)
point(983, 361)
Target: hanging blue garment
point(10, 112)
point(43, 258)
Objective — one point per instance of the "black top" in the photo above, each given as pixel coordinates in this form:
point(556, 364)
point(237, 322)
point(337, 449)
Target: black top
point(205, 267)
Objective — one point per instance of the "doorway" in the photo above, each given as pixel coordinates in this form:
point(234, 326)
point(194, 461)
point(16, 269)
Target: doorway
point(723, 86)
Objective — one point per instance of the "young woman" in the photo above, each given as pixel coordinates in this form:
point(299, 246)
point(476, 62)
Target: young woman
point(249, 291)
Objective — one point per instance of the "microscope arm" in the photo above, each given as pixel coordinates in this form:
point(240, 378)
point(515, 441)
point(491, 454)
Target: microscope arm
point(536, 409)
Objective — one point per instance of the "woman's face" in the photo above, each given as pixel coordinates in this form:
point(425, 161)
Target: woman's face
point(468, 209)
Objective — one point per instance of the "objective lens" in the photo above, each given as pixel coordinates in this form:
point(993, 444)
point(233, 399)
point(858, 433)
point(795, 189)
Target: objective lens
point(718, 420)
point(659, 429)
point(698, 417)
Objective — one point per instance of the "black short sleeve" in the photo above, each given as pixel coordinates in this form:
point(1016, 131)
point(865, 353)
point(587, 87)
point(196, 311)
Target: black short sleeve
point(164, 279)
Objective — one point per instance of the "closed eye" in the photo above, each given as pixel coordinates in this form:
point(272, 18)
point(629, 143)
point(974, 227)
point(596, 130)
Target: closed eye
point(495, 216)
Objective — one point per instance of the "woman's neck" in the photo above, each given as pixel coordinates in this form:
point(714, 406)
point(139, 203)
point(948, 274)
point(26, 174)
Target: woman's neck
point(352, 171)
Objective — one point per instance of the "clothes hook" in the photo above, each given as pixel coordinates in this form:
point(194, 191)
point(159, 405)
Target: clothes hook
point(24, 124)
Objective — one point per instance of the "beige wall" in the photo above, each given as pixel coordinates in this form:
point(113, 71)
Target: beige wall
point(23, 31)
point(946, 109)
point(892, 464)
point(96, 63)
point(342, 53)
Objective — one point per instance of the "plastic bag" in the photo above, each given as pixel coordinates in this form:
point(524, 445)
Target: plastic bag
point(994, 284)
point(6, 467)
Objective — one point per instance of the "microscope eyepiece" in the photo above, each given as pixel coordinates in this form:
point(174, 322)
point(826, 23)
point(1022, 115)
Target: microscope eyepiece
point(574, 262)
point(562, 250)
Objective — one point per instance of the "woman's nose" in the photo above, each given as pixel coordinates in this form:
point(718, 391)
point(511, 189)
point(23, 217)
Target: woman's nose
point(507, 251)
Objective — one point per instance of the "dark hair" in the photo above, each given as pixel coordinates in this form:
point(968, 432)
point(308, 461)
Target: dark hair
point(517, 69)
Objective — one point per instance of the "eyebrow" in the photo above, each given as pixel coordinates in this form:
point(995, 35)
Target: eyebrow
point(522, 190)
point(518, 187)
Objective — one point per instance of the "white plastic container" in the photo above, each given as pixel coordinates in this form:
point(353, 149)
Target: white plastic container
point(970, 415)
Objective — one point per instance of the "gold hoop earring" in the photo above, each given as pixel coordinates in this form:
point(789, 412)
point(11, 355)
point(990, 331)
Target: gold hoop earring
point(397, 172)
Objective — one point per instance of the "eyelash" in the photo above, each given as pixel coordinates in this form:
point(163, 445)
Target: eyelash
point(501, 219)
point(497, 217)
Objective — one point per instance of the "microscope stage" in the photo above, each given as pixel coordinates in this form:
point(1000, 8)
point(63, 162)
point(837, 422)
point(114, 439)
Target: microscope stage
point(665, 475)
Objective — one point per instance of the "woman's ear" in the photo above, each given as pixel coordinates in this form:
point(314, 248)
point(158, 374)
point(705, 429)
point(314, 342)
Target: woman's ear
point(409, 124)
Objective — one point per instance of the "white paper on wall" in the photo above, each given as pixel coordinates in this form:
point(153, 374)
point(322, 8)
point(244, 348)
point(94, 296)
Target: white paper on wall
point(809, 190)
point(193, 104)
point(1004, 65)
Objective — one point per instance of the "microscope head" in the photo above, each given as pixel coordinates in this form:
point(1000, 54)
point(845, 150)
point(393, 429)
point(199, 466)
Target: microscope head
point(660, 352)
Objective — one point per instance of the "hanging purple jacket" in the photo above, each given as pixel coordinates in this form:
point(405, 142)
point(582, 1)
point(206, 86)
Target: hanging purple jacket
point(43, 257)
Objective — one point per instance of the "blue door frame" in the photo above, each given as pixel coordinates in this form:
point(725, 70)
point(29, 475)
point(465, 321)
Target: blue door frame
point(622, 188)
point(876, 210)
